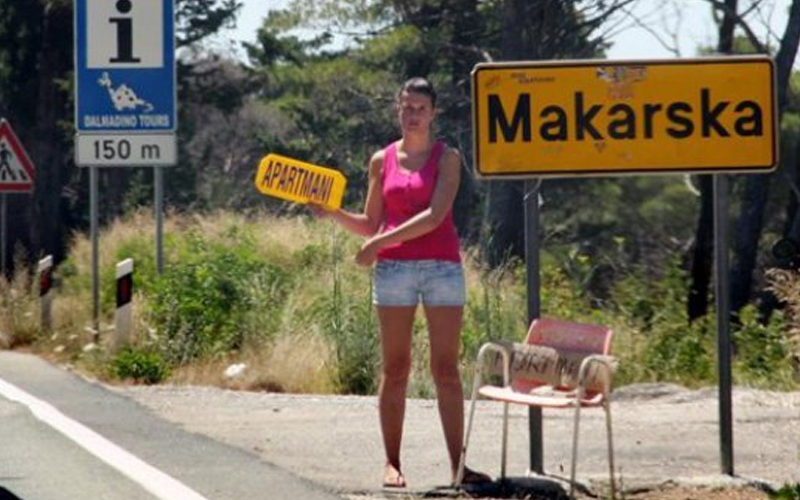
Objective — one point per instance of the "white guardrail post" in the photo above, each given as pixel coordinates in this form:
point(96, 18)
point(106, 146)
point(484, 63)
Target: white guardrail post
point(123, 319)
point(45, 272)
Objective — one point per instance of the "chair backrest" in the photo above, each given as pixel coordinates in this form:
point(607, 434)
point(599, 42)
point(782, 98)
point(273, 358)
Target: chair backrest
point(553, 352)
point(568, 336)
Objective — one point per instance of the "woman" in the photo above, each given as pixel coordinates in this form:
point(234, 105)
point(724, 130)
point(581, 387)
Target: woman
point(413, 243)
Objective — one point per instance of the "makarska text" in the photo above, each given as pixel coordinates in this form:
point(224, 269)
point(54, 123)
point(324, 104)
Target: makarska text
point(679, 119)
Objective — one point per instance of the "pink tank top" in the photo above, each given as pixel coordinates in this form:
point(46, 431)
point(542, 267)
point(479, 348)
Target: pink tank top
point(406, 194)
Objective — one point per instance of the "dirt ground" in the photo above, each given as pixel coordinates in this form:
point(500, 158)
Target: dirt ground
point(666, 441)
point(665, 492)
point(683, 493)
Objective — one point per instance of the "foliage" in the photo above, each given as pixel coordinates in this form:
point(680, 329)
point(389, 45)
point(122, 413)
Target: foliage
point(785, 284)
point(200, 304)
point(495, 303)
point(283, 293)
point(787, 492)
point(340, 309)
point(763, 351)
point(19, 308)
point(197, 19)
point(140, 365)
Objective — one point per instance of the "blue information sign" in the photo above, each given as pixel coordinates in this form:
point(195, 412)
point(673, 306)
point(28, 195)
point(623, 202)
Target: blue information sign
point(125, 66)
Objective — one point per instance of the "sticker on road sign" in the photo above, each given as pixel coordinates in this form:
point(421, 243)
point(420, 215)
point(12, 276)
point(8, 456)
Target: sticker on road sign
point(16, 168)
point(570, 118)
point(300, 182)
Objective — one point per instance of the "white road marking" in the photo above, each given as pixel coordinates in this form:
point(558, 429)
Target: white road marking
point(151, 479)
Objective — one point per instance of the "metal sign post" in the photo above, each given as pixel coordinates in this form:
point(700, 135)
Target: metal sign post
point(94, 235)
point(531, 204)
point(125, 97)
point(723, 295)
point(158, 206)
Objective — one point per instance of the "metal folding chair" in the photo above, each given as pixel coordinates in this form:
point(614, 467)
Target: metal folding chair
point(561, 365)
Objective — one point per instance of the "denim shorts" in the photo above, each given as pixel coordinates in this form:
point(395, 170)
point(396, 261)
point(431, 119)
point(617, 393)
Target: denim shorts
point(407, 282)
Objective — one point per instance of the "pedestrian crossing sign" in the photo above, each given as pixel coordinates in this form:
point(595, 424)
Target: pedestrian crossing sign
point(16, 168)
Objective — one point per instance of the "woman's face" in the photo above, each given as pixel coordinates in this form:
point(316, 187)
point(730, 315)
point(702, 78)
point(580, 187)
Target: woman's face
point(415, 112)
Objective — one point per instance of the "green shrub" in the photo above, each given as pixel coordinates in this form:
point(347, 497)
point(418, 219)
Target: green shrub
point(231, 282)
point(763, 352)
point(495, 310)
point(342, 311)
point(203, 303)
point(787, 492)
point(143, 252)
point(140, 365)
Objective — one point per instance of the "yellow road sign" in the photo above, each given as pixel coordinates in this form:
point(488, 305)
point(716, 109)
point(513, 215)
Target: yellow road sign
point(300, 182)
point(599, 117)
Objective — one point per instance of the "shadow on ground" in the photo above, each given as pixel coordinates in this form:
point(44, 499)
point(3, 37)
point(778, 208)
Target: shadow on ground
point(7, 495)
point(529, 488)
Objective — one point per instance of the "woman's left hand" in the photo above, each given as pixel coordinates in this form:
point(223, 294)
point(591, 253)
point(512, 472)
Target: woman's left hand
point(368, 253)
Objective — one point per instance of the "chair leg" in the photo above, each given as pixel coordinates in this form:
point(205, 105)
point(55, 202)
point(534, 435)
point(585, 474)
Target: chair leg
point(474, 399)
point(575, 434)
point(505, 443)
point(607, 408)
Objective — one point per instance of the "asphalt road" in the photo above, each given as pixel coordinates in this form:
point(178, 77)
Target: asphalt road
point(158, 459)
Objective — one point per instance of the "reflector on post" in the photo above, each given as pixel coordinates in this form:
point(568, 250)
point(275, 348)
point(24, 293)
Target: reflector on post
point(123, 316)
point(45, 271)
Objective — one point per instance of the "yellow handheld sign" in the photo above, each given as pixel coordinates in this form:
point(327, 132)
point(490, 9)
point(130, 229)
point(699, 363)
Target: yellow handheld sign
point(300, 182)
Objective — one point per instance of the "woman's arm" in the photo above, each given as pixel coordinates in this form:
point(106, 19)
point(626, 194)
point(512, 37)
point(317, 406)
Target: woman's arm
point(368, 222)
point(426, 221)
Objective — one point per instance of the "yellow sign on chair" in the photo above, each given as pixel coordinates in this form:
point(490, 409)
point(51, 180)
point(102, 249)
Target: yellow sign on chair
point(300, 182)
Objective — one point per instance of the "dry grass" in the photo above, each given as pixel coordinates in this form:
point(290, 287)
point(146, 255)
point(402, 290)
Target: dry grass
point(785, 284)
point(327, 303)
point(296, 357)
point(294, 364)
point(136, 225)
point(19, 314)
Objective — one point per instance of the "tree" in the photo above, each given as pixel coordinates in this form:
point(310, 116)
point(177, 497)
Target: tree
point(538, 31)
point(36, 62)
point(35, 95)
point(755, 193)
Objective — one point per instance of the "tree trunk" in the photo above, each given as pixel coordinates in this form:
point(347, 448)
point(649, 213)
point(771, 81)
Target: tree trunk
point(751, 219)
point(47, 229)
point(466, 26)
point(792, 227)
point(703, 248)
point(702, 252)
point(505, 209)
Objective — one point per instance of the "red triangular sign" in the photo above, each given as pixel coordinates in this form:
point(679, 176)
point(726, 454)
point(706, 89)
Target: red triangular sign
point(16, 168)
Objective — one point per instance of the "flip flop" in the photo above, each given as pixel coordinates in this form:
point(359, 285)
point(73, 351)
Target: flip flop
point(473, 477)
point(395, 480)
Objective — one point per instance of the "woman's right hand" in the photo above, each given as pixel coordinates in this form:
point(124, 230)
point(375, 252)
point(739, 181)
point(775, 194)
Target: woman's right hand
point(319, 211)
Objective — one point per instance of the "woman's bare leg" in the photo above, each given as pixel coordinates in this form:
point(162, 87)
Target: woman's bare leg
point(396, 324)
point(444, 325)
